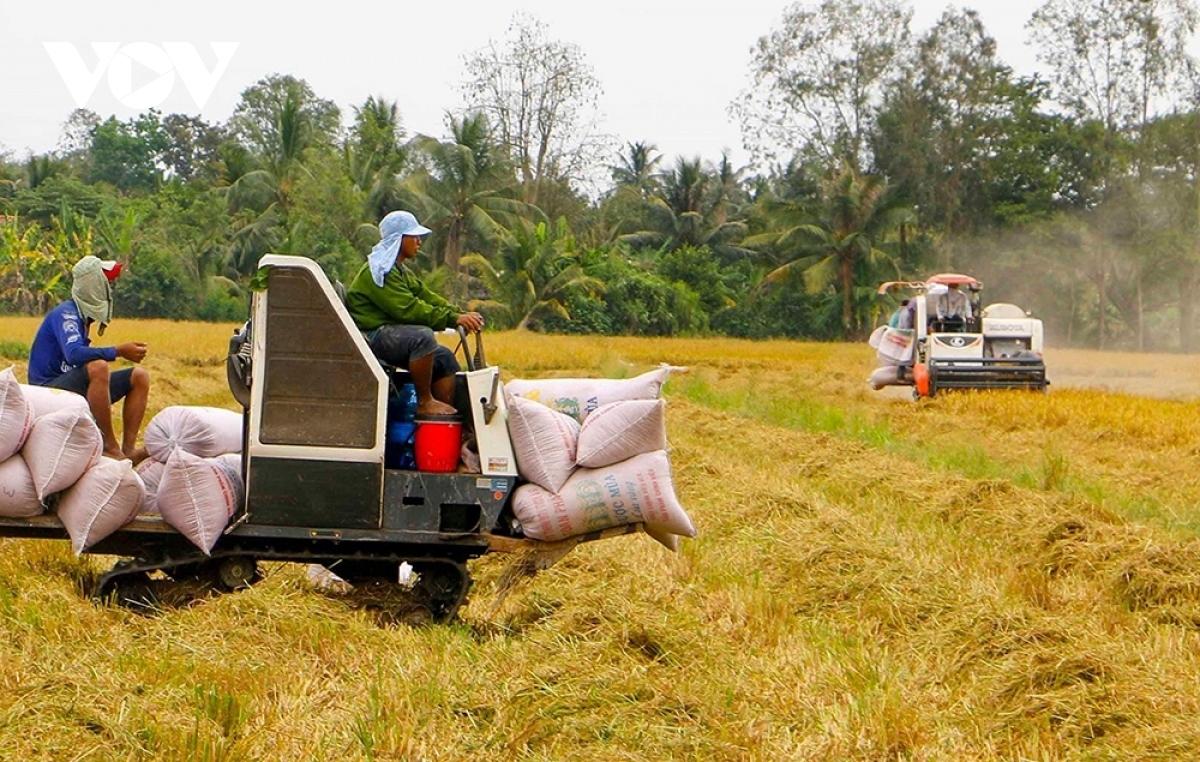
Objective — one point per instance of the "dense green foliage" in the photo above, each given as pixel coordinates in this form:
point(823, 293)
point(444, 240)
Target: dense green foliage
point(934, 156)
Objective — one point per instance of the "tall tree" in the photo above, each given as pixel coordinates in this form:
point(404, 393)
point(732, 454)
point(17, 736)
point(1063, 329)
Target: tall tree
point(964, 87)
point(532, 276)
point(375, 153)
point(129, 154)
point(192, 150)
point(77, 132)
point(541, 97)
point(1114, 60)
point(377, 133)
point(845, 246)
point(818, 79)
point(279, 161)
point(257, 118)
point(464, 189)
point(690, 208)
point(1124, 61)
point(1175, 141)
point(636, 167)
point(260, 199)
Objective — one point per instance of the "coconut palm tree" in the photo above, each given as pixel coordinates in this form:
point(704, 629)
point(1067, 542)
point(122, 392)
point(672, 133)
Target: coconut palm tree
point(532, 275)
point(843, 245)
point(690, 210)
point(260, 195)
point(465, 189)
point(39, 169)
point(637, 168)
point(272, 181)
point(374, 155)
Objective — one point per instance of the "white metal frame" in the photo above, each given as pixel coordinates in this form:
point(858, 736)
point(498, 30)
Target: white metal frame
point(495, 445)
point(258, 448)
point(493, 440)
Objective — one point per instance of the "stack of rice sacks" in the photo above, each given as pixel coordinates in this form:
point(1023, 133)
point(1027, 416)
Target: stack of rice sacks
point(193, 476)
point(594, 452)
point(50, 453)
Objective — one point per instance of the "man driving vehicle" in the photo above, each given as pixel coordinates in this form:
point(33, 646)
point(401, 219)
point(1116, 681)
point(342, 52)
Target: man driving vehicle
point(398, 314)
point(952, 307)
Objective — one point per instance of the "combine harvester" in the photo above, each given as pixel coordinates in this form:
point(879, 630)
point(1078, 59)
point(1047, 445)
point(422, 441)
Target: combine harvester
point(945, 341)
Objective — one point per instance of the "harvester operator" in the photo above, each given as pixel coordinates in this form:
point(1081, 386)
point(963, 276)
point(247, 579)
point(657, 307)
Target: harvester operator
point(953, 307)
point(62, 357)
point(398, 314)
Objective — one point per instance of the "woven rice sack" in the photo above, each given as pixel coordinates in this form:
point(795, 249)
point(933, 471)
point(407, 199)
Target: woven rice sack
point(621, 430)
point(18, 496)
point(198, 496)
point(16, 418)
point(637, 490)
point(543, 441)
point(60, 448)
point(104, 499)
point(203, 431)
point(578, 397)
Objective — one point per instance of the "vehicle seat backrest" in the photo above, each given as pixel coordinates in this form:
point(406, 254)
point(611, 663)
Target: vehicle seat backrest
point(318, 390)
point(340, 289)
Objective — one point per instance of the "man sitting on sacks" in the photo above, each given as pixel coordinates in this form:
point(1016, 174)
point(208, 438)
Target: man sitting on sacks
point(398, 314)
point(62, 357)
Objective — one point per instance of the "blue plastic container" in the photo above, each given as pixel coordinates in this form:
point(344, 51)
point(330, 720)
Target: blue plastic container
point(398, 452)
point(408, 399)
point(402, 404)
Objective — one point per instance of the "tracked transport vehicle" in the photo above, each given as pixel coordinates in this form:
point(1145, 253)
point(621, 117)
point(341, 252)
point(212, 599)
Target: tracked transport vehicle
point(317, 489)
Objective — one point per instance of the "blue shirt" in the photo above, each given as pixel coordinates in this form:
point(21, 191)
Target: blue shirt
point(61, 345)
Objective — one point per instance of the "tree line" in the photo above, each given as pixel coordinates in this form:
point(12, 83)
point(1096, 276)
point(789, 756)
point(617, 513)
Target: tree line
point(878, 153)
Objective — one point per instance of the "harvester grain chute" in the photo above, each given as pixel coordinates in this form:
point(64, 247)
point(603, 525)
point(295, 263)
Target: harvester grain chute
point(943, 339)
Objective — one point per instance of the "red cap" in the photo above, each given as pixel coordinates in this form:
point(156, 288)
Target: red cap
point(112, 269)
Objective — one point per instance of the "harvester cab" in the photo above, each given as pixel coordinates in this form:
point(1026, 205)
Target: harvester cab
point(948, 341)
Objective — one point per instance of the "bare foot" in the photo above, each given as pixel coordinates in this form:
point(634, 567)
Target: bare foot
point(435, 407)
point(115, 453)
point(137, 454)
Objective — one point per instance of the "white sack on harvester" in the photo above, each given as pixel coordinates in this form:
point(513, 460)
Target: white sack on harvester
point(60, 448)
point(198, 496)
point(104, 499)
point(666, 539)
point(16, 419)
point(44, 400)
point(579, 397)
point(543, 442)
point(150, 471)
point(888, 375)
point(18, 496)
point(203, 431)
point(637, 490)
point(621, 430)
point(232, 461)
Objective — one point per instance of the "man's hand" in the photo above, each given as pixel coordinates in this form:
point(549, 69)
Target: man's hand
point(133, 350)
point(472, 321)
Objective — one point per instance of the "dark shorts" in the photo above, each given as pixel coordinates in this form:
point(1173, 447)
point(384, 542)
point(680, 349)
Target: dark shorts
point(400, 345)
point(76, 380)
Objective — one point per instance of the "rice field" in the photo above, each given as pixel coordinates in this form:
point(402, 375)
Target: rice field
point(995, 575)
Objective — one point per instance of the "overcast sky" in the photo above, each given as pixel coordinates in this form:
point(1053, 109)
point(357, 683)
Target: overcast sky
point(669, 68)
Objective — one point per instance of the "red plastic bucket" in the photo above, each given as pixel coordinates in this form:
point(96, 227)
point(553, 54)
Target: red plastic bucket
point(437, 443)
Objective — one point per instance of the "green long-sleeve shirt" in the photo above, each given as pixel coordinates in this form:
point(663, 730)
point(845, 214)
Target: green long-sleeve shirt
point(403, 299)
